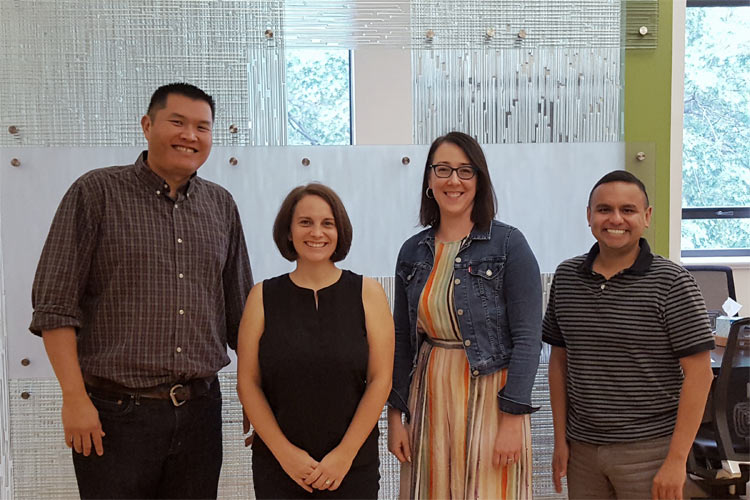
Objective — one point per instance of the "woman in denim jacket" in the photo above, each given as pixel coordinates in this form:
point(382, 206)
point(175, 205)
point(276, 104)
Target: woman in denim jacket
point(468, 334)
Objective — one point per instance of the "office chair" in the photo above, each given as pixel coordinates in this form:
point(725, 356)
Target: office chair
point(721, 452)
point(716, 284)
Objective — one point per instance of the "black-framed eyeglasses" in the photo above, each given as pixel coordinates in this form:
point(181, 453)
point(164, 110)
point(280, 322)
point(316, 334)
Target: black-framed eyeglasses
point(464, 172)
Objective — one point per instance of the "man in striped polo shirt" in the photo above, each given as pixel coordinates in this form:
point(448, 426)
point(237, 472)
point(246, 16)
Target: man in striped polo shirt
point(630, 368)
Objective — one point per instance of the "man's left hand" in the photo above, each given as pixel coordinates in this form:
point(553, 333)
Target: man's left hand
point(669, 481)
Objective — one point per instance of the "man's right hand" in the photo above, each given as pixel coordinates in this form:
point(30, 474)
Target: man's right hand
point(560, 464)
point(81, 425)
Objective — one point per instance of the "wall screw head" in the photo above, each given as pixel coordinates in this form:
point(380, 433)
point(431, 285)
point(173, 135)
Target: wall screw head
point(13, 129)
point(15, 162)
point(233, 161)
point(405, 160)
point(306, 162)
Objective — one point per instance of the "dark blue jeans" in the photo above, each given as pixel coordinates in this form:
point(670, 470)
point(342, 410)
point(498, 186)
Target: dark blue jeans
point(153, 449)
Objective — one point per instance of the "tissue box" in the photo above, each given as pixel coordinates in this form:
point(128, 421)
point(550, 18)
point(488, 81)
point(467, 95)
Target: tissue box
point(723, 323)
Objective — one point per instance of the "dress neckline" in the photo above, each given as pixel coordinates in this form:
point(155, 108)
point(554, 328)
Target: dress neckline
point(298, 287)
point(451, 243)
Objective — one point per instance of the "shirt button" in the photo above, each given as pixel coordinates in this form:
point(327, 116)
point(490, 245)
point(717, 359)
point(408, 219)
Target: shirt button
point(180, 275)
point(181, 311)
point(475, 373)
point(467, 342)
point(489, 272)
point(457, 281)
point(175, 205)
point(179, 349)
point(460, 312)
point(158, 192)
point(603, 286)
point(458, 260)
point(166, 186)
point(179, 240)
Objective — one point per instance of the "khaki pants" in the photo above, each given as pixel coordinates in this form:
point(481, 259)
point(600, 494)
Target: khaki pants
point(621, 470)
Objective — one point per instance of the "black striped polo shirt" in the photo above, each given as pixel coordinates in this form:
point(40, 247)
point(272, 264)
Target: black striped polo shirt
point(624, 337)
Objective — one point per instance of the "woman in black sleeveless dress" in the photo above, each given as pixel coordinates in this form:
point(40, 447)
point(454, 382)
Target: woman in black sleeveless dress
point(315, 356)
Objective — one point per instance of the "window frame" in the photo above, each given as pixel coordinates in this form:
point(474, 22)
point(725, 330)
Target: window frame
point(717, 212)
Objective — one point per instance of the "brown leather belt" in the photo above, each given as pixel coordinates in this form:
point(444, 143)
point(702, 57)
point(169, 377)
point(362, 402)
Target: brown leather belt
point(177, 392)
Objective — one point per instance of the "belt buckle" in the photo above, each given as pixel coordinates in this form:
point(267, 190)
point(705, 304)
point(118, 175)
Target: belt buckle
point(173, 396)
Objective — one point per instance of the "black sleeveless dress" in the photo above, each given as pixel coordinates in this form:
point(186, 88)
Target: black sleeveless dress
point(313, 365)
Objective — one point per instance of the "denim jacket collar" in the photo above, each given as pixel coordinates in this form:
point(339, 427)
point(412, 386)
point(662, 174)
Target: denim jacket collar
point(499, 313)
point(428, 238)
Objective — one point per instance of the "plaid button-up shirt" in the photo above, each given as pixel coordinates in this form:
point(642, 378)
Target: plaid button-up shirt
point(155, 287)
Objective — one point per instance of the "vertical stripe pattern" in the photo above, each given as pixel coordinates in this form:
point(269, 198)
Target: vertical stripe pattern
point(455, 417)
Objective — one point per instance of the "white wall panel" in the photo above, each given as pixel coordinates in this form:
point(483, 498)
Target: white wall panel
point(541, 189)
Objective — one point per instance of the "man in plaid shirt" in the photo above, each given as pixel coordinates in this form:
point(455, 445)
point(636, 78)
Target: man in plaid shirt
point(139, 290)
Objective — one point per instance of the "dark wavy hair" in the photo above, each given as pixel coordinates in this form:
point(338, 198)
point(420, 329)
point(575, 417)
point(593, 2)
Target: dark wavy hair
point(283, 223)
point(485, 201)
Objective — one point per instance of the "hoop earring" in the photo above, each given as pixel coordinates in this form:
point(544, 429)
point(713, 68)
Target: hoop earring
point(428, 193)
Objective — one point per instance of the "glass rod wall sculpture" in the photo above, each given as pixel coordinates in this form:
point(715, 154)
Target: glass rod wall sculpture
point(514, 95)
point(509, 71)
point(79, 72)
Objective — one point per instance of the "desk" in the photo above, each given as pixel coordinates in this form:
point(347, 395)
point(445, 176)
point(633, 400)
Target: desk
point(717, 355)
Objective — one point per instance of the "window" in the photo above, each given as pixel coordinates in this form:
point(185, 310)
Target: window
point(716, 143)
point(318, 97)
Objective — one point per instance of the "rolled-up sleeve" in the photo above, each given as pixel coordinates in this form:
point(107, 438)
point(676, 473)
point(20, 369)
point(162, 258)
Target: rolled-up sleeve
point(523, 292)
point(63, 269)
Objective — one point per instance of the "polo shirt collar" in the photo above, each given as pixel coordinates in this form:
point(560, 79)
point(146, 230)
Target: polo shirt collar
point(154, 181)
point(640, 266)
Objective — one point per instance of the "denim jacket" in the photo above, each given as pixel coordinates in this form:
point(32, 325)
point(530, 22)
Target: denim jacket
point(498, 302)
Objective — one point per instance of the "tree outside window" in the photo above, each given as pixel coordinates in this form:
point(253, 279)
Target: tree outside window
point(716, 144)
point(318, 97)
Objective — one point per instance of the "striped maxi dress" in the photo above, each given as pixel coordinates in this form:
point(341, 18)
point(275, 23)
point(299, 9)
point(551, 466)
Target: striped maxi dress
point(455, 417)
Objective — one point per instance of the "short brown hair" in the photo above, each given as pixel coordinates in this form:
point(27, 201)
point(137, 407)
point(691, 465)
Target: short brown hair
point(485, 201)
point(283, 223)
